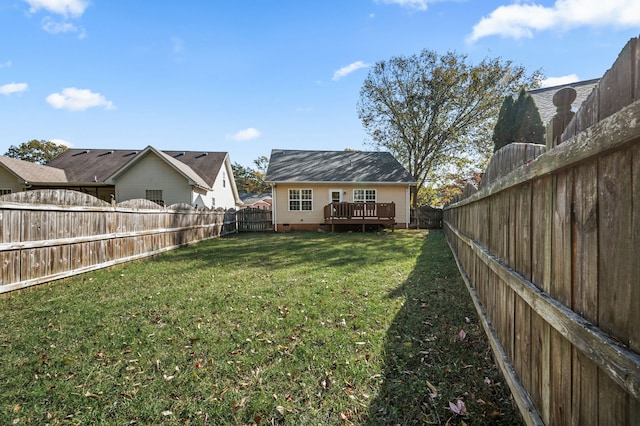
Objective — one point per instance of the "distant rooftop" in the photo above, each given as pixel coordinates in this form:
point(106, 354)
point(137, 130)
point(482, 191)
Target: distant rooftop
point(544, 97)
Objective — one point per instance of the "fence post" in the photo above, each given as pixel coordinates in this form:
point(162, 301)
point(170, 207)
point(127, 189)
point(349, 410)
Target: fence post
point(562, 99)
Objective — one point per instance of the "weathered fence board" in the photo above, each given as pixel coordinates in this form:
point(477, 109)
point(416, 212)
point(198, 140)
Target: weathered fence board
point(52, 234)
point(558, 238)
point(254, 220)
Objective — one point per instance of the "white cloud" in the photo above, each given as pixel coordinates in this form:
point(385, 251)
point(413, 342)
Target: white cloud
point(246, 134)
point(63, 27)
point(520, 20)
point(58, 27)
point(66, 8)
point(559, 81)
point(12, 88)
point(75, 99)
point(411, 4)
point(61, 142)
point(344, 71)
point(6, 64)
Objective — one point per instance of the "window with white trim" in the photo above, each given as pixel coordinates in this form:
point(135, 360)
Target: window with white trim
point(364, 195)
point(154, 195)
point(300, 199)
point(5, 191)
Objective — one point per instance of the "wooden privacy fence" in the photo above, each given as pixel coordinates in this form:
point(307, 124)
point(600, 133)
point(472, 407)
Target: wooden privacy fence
point(550, 255)
point(426, 217)
point(52, 234)
point(254, 220)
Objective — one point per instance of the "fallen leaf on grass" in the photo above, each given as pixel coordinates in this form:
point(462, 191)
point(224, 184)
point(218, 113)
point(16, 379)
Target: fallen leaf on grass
point(462, 334)
point(92, 395)
point(167, 413)
point(280, 409)
point(434, 391)
point(458, 407)
point(324, 384)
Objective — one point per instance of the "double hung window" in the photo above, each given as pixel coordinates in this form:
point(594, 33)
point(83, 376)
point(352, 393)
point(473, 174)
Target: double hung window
point(364, 195)
point(300, 199)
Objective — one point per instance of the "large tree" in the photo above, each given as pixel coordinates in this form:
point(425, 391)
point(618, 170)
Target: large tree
point(249, 180)
point(435, 112)
point(36, 151)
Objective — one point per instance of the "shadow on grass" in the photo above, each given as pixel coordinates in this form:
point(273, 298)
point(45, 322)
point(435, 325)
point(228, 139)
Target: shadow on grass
point(243, 251)
point(436, 352)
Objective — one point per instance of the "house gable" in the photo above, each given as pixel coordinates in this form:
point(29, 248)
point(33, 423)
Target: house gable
point(181, 168)
point(151, 173)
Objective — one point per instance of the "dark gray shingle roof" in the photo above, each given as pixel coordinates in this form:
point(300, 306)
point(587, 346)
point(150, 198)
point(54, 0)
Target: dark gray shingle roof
point(250, 198)
point(97, 165)
point(544, 97)
point(335, 166)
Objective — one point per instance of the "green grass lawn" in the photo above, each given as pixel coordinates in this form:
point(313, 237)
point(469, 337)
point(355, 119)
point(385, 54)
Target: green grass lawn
point(298, 329)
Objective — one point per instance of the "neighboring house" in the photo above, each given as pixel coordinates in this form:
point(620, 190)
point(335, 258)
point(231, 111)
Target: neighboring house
point(257, 201)
point(17, 175)
point(165, 177)
point(316, 189)
point(543, 98)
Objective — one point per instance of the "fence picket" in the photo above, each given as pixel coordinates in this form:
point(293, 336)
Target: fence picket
point(52, 234)
point(563, 243)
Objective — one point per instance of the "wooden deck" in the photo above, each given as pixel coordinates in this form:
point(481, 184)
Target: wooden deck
point(360, 214)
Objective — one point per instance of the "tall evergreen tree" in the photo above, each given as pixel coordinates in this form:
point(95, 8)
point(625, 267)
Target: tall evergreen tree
point(504, 130)
point(518, 121)
point(529, 123)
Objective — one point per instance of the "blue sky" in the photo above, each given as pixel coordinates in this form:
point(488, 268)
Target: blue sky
point(249, 76)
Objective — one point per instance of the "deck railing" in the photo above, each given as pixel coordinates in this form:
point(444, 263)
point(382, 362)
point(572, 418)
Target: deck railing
point(360, 211)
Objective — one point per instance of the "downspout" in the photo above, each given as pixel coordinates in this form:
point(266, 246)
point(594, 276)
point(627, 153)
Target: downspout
point(407, 204)
point(274, 209)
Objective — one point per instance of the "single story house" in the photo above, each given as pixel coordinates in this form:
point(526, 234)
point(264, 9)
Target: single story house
point(200, 179)
point(322, 189)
